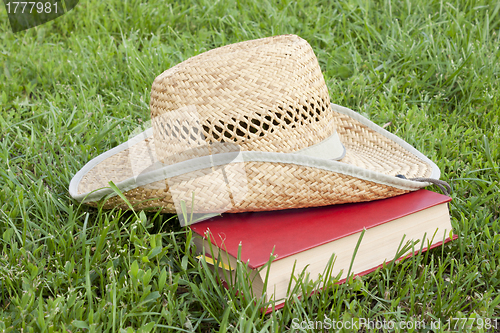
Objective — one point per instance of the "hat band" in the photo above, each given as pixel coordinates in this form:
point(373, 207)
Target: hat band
point(330, 148)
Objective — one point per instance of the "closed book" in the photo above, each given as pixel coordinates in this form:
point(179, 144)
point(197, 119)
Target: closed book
point(305, 239)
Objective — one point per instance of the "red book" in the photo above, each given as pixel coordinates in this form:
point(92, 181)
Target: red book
point(308, 237)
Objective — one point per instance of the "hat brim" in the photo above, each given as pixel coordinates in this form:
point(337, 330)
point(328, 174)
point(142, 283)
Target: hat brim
point(373, 157)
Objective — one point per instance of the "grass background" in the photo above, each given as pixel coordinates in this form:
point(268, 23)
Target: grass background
point(77, 86)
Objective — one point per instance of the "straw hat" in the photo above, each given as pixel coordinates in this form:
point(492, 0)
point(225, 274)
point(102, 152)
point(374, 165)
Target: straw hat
point(250, 127)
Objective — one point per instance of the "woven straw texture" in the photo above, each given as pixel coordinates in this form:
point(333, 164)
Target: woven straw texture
point(273, 186)
point(261, 95)
point(272, 190)
point(264, 95)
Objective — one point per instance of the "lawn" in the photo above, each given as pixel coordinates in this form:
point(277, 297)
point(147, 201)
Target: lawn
point(78, 86)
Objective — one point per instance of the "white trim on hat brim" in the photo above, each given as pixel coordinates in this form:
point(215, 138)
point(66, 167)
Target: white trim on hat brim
point(165, 172)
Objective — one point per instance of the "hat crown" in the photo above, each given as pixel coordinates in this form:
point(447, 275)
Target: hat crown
point(264, 95)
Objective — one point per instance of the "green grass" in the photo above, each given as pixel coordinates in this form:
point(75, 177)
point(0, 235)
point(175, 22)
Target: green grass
point(77, 86)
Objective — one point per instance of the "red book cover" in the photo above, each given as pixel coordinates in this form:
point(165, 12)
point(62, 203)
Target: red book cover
point(288, 232)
